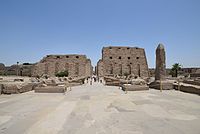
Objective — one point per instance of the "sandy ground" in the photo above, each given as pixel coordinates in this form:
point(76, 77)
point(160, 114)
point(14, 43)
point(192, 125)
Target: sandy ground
point(100, 109)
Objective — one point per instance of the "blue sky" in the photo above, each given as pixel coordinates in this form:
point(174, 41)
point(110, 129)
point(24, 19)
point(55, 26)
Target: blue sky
point(31, 29)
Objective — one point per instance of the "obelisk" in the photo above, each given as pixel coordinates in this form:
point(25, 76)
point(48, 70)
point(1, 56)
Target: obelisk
point(160, 72)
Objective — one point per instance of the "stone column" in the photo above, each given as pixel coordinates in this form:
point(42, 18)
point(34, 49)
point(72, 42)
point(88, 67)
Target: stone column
point(160, 71)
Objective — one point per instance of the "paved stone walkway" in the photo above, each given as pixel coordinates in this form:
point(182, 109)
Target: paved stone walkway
point(100, 109)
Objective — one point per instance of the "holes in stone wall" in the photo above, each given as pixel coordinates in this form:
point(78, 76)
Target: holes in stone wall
point(137, 57)
point(138, 70)
point(120, 57)
point(77, 57)
point(67, 56)
point(129, 57)
point(110, 57)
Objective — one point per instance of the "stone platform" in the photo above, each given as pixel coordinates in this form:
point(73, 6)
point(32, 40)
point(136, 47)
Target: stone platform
point(50, 89)
point(110, 81)
point(188, 88)
point(15, 88)
point(166, 85)
point(128, 87)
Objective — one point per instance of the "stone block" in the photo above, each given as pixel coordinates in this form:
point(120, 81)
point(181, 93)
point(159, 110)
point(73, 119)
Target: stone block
point(15, 88)
point(166, 85)
point(10, 88)
point(192, 82)
point(50, 89)
point(109, 81)
point(129, 87)
point(190, 89)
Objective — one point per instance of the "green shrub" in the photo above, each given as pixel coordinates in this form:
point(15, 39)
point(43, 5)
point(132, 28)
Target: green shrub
point(62, 74)
point(175, 68)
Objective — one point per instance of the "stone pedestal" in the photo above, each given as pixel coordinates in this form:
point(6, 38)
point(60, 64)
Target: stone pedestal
point(128, 87)
point(50, 89)
point(165, 85)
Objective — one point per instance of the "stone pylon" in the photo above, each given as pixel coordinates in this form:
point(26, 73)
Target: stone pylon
point(160, 72)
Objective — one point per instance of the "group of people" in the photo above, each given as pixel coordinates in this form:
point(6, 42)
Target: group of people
point(93, 79)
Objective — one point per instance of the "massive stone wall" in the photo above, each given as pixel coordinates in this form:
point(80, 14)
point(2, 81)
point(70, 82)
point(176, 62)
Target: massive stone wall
point(123, 61)
point(76, 65)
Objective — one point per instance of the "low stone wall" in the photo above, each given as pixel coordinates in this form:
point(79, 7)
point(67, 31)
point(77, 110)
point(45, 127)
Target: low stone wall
point(72, 84)
point(134, 87)
point(192, 82)
point(15, 88)
point(111, 81)
point(188, 88)
point(50, 89)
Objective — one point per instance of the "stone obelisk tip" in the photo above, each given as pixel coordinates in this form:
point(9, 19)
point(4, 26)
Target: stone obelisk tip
point(160, 46)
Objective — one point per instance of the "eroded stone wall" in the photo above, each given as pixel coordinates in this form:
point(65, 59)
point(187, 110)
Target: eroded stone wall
point(76, 65)
point(123, 61)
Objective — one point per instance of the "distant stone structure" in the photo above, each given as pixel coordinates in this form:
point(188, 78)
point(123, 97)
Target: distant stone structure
point(160, 73)
point(2, 69)
point(118, 60)
point(20, 70)
point(76, 65)
point(196, 74)
point(184, 72)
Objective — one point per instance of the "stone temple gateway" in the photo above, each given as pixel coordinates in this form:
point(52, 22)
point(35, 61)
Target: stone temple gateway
point(118, 60)
point(76, 65)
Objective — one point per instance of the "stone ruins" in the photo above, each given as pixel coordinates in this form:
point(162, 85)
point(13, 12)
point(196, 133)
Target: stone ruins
point(125, 67)
point(76, 65)
point(160, 73)
point(122, 61)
